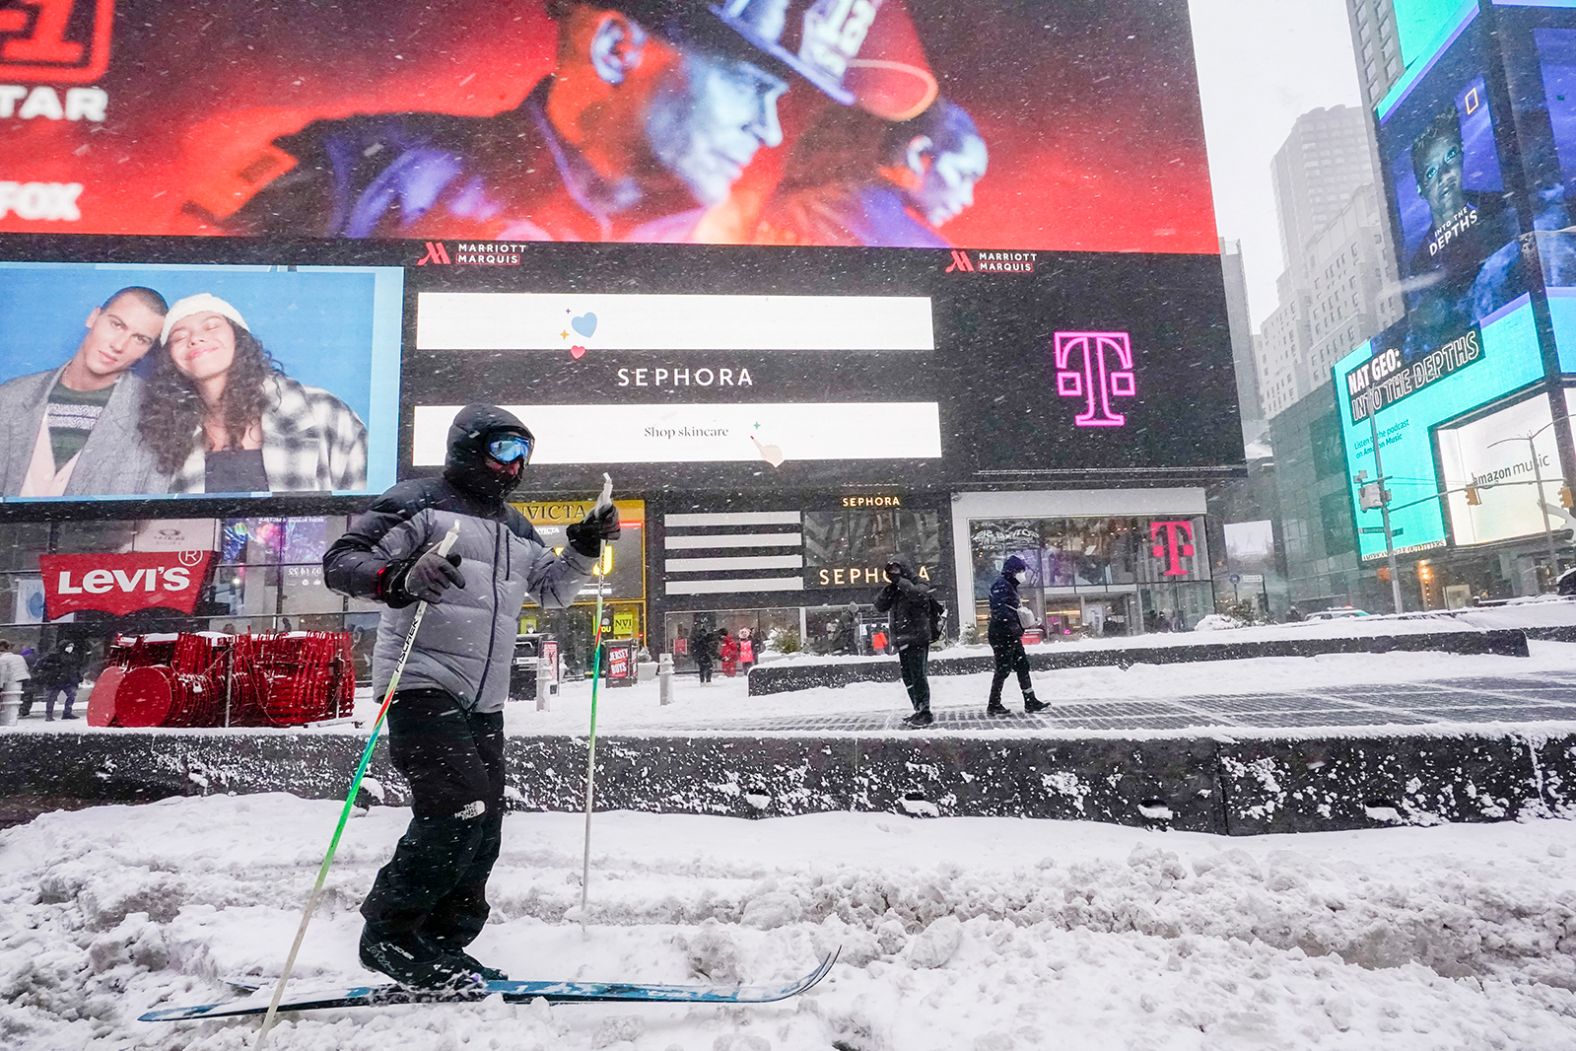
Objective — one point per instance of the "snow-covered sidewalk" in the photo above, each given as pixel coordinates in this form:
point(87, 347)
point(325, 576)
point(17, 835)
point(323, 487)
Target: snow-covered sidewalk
point(978, 934)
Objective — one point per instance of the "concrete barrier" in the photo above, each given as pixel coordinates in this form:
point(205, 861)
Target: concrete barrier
point(1238, 786)
point(788, 676)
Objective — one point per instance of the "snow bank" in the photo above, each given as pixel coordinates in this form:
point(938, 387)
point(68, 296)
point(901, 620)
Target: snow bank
point(979, 934)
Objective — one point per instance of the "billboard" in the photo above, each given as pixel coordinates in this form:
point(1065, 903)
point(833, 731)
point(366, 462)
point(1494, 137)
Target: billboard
point(1539, 45)
point(1072, 126)
point(1458, 245)
point(1378, 391)
point(674, 367)
point(850, 546)
point(140, 380)
point(1492, 454)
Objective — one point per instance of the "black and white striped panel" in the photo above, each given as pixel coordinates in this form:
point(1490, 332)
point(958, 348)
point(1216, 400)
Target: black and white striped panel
point(735, 552)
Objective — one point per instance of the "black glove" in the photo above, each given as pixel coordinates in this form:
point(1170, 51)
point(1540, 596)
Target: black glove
point(600, 524)
point(427, 578)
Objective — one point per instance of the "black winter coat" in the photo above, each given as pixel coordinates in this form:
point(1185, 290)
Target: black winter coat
point(1004, 603)
point(907, 601)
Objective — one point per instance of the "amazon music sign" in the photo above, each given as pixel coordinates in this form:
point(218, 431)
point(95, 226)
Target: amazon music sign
point(119, 584)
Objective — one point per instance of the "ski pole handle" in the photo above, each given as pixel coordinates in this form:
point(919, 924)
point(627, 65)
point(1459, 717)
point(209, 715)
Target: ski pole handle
point(447, 543)
point(606, 499)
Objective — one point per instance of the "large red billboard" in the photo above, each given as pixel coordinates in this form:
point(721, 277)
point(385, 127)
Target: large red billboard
point(119, 584)
point(1072, 126)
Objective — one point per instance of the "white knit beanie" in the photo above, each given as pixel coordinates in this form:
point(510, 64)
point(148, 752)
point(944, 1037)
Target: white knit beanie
point(200, 303)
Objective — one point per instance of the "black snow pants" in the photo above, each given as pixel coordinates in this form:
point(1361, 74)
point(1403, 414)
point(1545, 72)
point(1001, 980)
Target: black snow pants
point(1010, 657)
point(436, 883)
point(914, 662)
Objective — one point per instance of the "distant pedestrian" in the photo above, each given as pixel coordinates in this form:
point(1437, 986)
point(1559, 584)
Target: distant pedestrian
point(746, 651)
point(59, 672)
point(728, 652)
point(911, 606)
point(14, 675)
point(1008, 619)
point(1293, 615)
point(701, 641)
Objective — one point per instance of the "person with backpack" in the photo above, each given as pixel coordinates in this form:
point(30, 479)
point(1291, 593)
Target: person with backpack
point(912, 609)
point(1005, 634)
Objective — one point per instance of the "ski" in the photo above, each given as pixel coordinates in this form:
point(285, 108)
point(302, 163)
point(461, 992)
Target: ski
point(512, 991)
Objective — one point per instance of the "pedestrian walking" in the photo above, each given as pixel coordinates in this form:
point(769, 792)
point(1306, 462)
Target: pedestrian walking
point(912, 609)
point(1005, 634)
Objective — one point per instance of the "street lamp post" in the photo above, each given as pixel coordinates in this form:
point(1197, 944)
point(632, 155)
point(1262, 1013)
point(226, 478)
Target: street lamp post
point(1537, 476)
point(1384, 512)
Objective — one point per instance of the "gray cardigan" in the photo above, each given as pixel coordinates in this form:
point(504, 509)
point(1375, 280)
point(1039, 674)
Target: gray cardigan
point(114, 462)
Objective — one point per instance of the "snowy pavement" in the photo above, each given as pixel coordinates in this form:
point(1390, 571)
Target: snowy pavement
point(978, 934)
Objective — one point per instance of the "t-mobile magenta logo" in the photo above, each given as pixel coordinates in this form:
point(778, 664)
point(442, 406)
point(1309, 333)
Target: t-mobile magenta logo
point(1095, 366)
point(1176, 544)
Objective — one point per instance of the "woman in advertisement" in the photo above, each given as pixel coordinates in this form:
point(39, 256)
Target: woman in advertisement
point(230, 421)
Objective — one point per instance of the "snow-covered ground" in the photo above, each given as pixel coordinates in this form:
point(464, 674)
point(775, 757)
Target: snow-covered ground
point(725, 705)
point(975, 934)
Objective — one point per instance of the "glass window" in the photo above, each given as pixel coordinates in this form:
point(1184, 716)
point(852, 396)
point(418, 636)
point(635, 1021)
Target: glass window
point(73, 537)
point(21, 543)
point(251, 541)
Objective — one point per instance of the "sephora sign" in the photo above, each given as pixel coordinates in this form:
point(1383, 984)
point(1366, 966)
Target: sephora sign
point(123, 583)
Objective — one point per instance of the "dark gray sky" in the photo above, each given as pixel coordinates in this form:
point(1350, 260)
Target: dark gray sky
point(1261, 64)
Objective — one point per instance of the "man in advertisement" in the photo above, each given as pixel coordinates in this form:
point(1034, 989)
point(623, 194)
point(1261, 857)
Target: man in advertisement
point(73, 430)
point(1470, 248)
point(921, 176)
point(446, 721)
point(654, 111)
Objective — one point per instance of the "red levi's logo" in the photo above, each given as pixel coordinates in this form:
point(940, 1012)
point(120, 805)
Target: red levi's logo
point(122, 584)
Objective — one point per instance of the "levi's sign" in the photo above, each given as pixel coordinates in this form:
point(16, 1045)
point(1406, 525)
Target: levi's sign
point(122, 584)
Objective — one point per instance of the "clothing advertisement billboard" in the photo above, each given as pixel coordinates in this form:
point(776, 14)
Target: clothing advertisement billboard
point(135, 381)
point(1073, 126)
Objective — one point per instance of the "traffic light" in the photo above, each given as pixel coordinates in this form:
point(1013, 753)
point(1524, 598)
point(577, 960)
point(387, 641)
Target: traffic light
point(1474, 498)
point(1567, 498)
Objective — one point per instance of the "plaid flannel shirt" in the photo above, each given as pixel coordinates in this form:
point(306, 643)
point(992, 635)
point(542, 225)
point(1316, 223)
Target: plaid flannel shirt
point(312, 442)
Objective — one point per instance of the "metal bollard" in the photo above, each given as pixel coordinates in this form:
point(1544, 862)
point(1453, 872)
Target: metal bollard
point(10, 704)
point(665, 678)
point(544, 680)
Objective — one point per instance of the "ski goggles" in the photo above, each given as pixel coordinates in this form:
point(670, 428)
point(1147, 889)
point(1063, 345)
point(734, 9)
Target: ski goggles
point(509, 448)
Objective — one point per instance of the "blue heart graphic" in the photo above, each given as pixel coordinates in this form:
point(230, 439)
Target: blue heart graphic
point(585, 324)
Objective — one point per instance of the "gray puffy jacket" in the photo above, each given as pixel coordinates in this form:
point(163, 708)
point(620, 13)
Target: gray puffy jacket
point(466, 642)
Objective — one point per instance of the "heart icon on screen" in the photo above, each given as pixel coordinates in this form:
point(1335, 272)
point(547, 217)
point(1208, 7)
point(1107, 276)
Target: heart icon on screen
point(577, 352)
point(585, 324)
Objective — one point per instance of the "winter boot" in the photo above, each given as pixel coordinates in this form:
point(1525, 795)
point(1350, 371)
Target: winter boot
point(1032, 703)
point(454, 952)
point(918, 719)
point(416, 962)
point(996, 708)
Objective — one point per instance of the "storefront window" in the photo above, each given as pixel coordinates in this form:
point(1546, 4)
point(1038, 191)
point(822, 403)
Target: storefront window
point(21, 544)
point(88, 537)
point(1096, 577)
point(761, 626)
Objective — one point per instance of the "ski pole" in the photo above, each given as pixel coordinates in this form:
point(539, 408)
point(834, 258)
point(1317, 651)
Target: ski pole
point(605, 500)
point(444, 547)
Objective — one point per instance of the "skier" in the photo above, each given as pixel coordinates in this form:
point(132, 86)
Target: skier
point(446, 720)
point(1005, 634)
point(911, 603)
